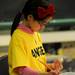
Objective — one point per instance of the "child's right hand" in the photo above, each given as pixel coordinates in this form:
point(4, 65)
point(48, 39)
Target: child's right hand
point(55, 67)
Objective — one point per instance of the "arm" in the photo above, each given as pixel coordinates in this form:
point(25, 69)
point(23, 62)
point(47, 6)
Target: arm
point(25, 71)
point(29, 71)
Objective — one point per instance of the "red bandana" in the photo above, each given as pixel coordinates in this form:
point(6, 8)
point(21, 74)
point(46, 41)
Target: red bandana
point(42, 12)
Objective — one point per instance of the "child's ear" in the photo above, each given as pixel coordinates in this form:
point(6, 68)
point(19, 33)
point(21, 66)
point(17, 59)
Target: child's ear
point(30, 18)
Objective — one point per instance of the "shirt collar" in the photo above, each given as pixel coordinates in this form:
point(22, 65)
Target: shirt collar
point(25, 28)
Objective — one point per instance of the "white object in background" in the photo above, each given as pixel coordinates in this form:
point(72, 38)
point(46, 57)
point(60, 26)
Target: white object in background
point(48, 37)
point(4, 40)
point(68, 73)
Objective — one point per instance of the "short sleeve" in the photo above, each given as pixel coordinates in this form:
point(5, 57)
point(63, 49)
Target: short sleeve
point(19, 56)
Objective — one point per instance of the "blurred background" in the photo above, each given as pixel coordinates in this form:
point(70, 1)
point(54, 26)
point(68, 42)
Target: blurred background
point(58, 36)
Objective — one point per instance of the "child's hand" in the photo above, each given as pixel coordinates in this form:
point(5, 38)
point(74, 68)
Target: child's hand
point(51, 69)
point(58, 65)
point(55, 67)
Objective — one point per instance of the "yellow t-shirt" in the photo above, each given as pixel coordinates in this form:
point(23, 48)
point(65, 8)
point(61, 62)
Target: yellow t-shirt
point(25, 50)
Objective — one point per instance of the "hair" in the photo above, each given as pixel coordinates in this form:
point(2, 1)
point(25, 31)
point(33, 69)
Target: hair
point(30, 8)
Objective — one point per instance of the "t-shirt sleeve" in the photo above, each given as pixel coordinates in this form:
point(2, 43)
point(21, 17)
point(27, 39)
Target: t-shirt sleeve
point(19, 56)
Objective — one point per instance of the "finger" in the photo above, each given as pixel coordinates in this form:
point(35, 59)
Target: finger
point(55, 72)
point(58, 65)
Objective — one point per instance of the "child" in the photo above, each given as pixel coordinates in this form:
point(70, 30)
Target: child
point(26, 54)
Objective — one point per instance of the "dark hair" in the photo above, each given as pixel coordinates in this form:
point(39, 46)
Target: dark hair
point(15, 22)
point(30, 8)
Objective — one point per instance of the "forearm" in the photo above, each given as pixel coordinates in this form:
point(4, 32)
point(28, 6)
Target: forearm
point(25, 71)
point(28, 71)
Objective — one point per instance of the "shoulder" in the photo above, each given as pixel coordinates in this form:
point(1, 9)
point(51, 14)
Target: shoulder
point(17, 36)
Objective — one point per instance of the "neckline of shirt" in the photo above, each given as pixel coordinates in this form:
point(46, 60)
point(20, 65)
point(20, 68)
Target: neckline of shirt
point(25, 28)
